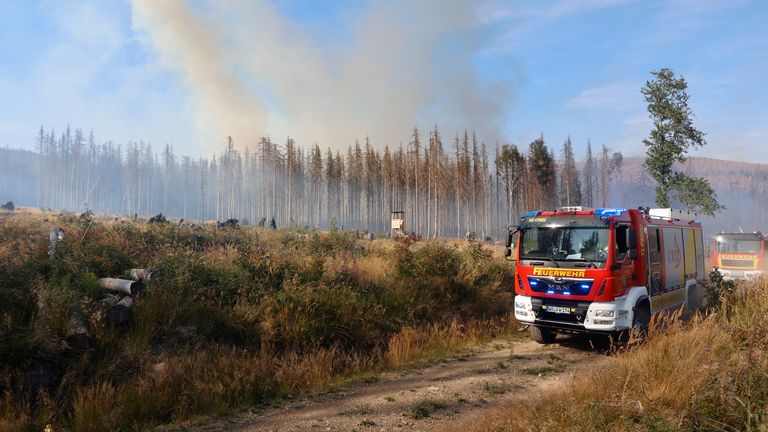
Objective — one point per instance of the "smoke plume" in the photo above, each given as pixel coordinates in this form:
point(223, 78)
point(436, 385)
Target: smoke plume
point(256, 72)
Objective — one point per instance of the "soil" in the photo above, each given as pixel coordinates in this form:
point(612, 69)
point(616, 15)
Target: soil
point(428, 398)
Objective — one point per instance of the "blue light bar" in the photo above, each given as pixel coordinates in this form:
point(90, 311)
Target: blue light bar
point(533, 283)
point(610, 211)
point(550, 292)
point(566, 292)
point(532, 213)
point(585, 286)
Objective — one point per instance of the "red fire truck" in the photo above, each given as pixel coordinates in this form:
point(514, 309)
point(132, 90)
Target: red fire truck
point(739, 255)
point(604, 271)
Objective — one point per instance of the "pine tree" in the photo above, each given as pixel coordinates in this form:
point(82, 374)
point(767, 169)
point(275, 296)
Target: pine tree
point(570, 186)
point(542, 166)
point(589, 177)
point(673, 134)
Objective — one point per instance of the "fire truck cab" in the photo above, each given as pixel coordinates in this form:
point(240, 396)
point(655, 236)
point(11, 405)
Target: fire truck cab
point(739, 255)
point(603, 271)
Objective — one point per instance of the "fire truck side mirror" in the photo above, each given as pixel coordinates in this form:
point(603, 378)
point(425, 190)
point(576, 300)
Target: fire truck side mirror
point(509, 242)
point(511, 231)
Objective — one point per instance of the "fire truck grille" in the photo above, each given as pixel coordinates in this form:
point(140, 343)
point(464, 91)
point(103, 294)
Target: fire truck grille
point(563, 286)
point(738, 263)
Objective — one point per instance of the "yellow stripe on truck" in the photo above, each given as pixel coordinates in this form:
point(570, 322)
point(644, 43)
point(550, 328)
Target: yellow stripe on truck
point(667, 300)
point(559, 272)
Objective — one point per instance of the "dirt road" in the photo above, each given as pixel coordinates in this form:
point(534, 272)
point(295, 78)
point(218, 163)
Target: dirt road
point(430, 398)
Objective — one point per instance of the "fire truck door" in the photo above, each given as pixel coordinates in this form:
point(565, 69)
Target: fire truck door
point(654, 260)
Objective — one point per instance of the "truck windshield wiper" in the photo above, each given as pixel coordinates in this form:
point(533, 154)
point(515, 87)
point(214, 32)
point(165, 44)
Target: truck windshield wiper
point(587, 260)
point(553, 260)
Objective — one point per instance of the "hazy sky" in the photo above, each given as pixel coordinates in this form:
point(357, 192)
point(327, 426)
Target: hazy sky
point(190, 73)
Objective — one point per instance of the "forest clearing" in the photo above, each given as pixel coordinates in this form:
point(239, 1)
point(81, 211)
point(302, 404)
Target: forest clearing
point(351, 216)
point(285, 329)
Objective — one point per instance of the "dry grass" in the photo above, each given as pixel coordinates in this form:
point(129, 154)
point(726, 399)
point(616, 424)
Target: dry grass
point(251, 317)
point(710, 374)
point(438, 340)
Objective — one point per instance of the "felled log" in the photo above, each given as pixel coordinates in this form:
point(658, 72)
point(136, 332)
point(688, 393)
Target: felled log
point(78, 332)
point(120, 313)
point(142, 275)
point(122, 285)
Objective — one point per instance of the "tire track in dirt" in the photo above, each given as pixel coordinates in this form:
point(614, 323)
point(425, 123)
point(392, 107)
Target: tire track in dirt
point(429, 398)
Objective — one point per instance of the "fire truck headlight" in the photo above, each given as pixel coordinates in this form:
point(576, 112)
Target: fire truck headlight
point(603, 313)
point(519, 304)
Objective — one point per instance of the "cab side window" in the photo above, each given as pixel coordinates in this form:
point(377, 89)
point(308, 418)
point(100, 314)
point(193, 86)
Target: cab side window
point(622, 242)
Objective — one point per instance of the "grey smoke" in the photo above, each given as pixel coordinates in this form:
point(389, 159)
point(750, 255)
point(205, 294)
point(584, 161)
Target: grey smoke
point(256, 72)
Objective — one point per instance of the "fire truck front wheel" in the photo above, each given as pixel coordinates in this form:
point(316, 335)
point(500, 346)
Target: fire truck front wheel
point(641, 319)
point(542, 335)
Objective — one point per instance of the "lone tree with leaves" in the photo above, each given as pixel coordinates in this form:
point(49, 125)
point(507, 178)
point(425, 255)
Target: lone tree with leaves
point(673, 134)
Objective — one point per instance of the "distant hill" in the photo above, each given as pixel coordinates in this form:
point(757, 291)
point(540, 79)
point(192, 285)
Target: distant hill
point(741, 186)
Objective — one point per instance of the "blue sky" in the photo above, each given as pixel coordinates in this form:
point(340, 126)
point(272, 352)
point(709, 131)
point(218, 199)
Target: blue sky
point(566, 67)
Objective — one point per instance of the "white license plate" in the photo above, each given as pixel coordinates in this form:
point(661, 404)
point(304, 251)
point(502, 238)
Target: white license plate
point(558, 309)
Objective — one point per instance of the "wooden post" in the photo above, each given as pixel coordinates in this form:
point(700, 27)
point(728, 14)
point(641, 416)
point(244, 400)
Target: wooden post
point(122, 285)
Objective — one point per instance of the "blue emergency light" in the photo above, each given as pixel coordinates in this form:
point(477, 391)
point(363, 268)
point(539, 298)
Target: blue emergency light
point(610, 211)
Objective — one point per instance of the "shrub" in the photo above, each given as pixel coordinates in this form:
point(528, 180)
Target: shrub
point(239, 317)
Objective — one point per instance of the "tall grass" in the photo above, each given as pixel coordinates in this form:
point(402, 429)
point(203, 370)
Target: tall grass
point(239, 317)
point(707, 374)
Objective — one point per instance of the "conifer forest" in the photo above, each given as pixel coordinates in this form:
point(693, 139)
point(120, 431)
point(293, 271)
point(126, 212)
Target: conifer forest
point(446, 186)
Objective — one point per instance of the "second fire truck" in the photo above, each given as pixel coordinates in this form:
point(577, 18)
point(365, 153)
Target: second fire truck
point(604, 271)
point(739, 255)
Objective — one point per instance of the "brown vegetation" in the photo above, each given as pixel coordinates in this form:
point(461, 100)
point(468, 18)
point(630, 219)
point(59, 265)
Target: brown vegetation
point(708, 374)
point(254, 316)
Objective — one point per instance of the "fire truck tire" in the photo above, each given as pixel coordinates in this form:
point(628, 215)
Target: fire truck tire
point(542, 335)
point(641, 319)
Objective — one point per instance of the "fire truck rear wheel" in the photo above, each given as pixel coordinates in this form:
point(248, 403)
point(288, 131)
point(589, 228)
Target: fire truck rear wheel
point(542, 335)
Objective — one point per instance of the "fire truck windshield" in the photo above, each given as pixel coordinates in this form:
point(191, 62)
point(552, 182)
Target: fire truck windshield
point(736, 245)
point(565, 243)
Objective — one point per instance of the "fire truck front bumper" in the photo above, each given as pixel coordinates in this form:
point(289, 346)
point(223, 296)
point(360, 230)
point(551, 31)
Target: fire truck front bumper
point(731, 274)
point(574, 316)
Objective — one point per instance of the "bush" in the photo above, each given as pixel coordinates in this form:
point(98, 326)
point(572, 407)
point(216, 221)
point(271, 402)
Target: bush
point(239, 317)
point(718, 288)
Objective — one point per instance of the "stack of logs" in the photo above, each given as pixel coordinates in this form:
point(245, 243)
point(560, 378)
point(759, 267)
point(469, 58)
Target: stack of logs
point(116, 307)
